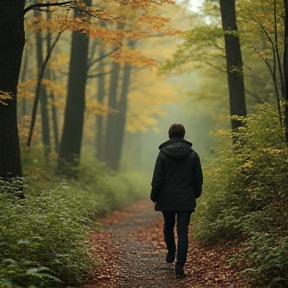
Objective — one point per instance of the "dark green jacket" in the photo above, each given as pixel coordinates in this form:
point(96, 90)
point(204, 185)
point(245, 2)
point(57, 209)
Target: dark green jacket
point(177, 178)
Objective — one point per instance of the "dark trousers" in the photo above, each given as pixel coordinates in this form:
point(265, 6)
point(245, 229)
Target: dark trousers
point(183, 220)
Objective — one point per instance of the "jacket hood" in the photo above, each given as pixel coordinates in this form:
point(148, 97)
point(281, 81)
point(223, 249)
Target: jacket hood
point(176, 148)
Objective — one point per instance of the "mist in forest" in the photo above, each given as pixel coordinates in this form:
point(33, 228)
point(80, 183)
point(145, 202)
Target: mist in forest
point(131, 97)
point(200, 117)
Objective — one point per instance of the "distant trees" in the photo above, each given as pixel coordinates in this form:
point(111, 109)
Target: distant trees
point(269, 21)
point(12, 43)
point(263, 33)
point(122, 114)
point(203, 48)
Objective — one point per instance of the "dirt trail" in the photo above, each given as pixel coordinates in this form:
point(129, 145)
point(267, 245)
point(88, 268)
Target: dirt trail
point(132, 252)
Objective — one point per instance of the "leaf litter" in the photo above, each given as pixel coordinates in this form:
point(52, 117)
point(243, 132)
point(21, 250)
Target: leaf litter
point(131, 251)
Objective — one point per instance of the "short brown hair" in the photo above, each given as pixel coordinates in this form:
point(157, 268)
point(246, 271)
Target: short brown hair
point(176, 131)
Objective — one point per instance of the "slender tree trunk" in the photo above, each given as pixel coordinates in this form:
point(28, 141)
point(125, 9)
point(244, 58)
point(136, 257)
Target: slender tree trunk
point(120, 132)
point(285, 68)
point(51, 76)
point(23, 77)
point(100, 148)
point(43, 92)
point(234, 62)
point(69, 152)
point(12, 40)
point(54, 123)
point(54, 115)
point(110, 140)
point(122, 108)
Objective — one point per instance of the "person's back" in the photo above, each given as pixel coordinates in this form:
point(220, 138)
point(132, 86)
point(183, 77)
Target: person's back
point(176, 184)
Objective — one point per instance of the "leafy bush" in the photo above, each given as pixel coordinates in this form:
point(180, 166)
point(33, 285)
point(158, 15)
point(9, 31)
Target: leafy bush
point(224, 200)
point(44, 238)
point(245, 193)
point(267, 255)
point(104, 190)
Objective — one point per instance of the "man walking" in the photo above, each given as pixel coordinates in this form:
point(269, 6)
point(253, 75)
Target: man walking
point(176, 184)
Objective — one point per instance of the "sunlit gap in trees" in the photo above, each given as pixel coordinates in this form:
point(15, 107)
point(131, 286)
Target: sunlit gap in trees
point(196, 6)
point(193, 5)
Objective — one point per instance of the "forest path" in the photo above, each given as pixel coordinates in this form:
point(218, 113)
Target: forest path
point(132, 252)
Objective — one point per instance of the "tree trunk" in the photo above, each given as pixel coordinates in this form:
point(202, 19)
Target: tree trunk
point(234, 62)
point(285, 68)
point(120, 131)
point(100, 148)
point(23, 77)
point(69, 152)
point(12, 40)
point(110, 139)
point(54, 122)
point(43, 92)
point(122, 108)
point(51, 76)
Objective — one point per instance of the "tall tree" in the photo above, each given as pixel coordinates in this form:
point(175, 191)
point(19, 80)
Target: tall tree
point(121, 116)
point(12, 38)
point(54, 119)
point(70, 146)
point(42, 90)
point(122, 109)
point(111, 124)
point(285, 65)
point(233, 62)
point(51, 76)
point(100, 147)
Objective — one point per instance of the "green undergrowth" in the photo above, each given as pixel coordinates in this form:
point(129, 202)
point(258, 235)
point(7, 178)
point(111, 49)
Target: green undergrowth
point(246, 196)
point(44, 238)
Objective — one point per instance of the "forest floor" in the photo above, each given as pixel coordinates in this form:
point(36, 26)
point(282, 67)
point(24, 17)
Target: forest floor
point(132, 254)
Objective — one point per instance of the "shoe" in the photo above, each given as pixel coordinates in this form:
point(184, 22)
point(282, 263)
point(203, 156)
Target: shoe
point(179, 272)
point(180, 276)
point(170, 257)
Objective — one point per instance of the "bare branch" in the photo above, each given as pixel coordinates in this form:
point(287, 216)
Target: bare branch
point(99, 74)
point(39, 5)
point(71, 5)
point(36, 100)
point(93, 13)
point(255, 96)
point(102, 57)
point(272, 70)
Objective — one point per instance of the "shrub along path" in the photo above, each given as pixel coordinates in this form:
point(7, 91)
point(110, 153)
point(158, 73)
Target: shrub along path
point(132, 252)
